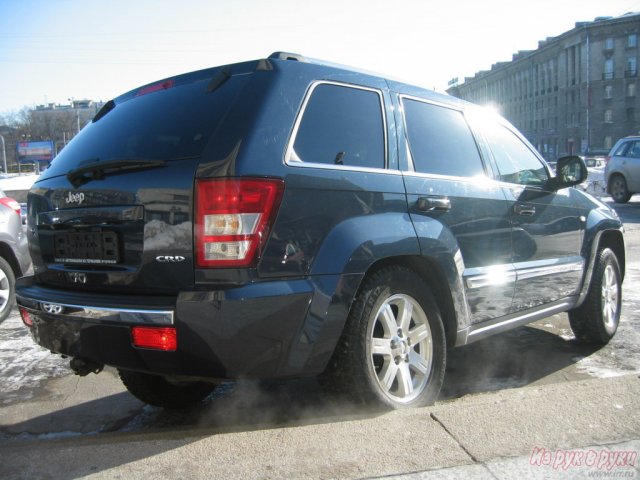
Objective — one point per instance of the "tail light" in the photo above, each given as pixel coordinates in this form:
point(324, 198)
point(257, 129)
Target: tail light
point(26, 317)
point(11, 203)
point(233, 219)
point(157, 338)
point(606, 159)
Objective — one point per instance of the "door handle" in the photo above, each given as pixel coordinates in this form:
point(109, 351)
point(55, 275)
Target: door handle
point(430, 204)
point(524, 209)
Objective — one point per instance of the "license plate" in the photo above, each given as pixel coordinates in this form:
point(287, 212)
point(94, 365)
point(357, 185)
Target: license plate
point(87, 248)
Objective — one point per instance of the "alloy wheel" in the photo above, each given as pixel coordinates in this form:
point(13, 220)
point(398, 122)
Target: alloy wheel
point(401, 347)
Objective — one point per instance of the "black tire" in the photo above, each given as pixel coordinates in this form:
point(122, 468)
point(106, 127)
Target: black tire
point(408, 368)
point(618, 189)
point(156, 390)
point(7, 289)
point(595, 322)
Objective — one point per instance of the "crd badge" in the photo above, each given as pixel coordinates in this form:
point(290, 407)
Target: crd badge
point(170, 258)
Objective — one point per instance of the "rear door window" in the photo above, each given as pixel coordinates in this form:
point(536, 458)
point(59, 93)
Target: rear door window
point(440, 140)
point(341, 126)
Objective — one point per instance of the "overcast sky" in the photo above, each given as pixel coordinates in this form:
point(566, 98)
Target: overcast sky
point(54, 50)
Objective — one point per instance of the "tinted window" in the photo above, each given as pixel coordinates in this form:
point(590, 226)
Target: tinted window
point(440, 140)
point(634, 150)
point(162, 125)
point(515, 161)
point(341, 126)
point(622, 149)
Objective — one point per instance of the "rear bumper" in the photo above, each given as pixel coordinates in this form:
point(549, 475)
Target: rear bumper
point(266, 330)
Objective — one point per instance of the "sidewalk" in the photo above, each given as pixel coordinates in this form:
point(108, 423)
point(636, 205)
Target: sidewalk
point(529, 432)
point(560, 464)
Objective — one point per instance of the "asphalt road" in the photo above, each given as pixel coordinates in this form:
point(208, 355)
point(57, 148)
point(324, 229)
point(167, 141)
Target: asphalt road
point(42, 401)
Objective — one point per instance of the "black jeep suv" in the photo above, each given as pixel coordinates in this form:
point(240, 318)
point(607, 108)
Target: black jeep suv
point(284, 218)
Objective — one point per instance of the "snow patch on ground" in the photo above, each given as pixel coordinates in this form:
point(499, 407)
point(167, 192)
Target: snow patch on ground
point(595, 182)
point(23, 364)
point(622, 355)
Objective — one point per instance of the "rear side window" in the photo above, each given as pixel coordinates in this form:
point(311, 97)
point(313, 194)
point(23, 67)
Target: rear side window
point(440, 140)
point(515, 161)
point(341, 125)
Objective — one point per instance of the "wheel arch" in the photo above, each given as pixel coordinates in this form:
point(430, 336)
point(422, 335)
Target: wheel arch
point(614, 240)
point(607, 238)
point(434, 276)
point(6, 252)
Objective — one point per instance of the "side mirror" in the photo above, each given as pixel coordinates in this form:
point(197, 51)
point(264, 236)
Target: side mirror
point(570, 171)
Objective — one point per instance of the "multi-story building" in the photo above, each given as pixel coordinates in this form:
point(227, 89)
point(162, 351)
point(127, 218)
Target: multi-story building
point(577, 92)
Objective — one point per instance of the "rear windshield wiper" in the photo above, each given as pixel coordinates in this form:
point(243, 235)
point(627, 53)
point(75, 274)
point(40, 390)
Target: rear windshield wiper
point(98, 170)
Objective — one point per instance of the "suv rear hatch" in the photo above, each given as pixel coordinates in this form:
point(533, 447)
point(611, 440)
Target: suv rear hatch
point(114, 211)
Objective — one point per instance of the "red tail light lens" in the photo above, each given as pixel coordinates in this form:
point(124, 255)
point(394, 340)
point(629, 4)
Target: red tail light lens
point(26, 318)
point(233, 219)
point(157, 338)
point(11, 203)
point(606, 159)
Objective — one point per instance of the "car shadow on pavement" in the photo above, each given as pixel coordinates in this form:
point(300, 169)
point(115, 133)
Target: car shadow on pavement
point(628, 212)
point(513, 359)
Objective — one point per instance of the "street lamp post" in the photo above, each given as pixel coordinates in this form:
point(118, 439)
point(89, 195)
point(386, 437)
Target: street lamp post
point(4, 155)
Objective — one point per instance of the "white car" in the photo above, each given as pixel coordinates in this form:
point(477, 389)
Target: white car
point(622, 171)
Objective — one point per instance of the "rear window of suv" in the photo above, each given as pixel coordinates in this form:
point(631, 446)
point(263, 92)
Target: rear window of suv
point(166, 124)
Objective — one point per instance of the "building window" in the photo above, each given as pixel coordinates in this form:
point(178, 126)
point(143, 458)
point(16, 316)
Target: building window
point(608, 43)
point(631, 90)
point(632, 40)
point(608, 116)
point(608, 69)
point(608, 142)
point(631, 114)
point(608, 91)
point(632, 67)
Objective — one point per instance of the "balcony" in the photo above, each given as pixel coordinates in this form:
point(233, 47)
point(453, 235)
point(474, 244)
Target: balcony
point(608, 76)
point(631, 73)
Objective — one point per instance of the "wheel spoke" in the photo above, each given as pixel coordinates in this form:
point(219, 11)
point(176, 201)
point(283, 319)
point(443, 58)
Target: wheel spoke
point(405, 314)
point(381, 346)
point(388, 374)
point(418, 363)
point(405, 382)
point(418, 334)
point(388, 320)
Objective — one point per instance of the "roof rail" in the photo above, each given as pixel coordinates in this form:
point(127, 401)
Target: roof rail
point(288, 56)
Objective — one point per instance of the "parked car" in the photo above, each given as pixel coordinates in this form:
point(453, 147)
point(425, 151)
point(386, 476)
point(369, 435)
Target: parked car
point(14, 253)
point(17, 187)
point(593, 162)
point(622, 170)
point(599, 155)
point(283, 218)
